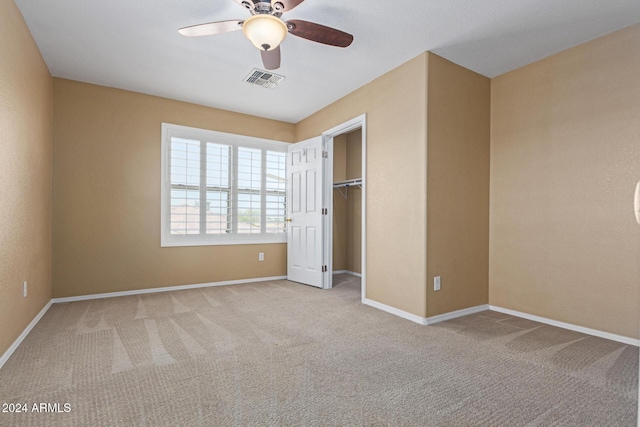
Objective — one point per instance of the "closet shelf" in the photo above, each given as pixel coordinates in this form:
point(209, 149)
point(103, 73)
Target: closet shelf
point(346, 184)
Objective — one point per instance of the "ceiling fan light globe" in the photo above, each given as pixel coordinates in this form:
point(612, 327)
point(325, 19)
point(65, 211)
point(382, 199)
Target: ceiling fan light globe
point(264, 30)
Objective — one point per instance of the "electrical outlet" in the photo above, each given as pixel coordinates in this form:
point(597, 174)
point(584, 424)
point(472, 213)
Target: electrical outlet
point(261, 256)
point(24, 289)
point(436, 283)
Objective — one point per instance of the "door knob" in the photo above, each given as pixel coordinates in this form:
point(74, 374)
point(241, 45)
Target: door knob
point(288, 219)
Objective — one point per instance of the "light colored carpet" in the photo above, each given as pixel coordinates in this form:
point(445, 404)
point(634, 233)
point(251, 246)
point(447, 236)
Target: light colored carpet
point(284, 354)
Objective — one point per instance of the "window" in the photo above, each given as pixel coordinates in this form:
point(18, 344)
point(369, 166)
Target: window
point(220, 188)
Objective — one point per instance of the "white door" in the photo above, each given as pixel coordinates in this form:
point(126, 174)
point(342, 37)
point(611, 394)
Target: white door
point(304, 212)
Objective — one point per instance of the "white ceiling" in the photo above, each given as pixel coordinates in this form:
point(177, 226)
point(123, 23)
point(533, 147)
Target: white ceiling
point(135, 45)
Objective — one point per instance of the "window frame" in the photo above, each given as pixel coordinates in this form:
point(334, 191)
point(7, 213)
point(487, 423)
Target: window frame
point(205, 136)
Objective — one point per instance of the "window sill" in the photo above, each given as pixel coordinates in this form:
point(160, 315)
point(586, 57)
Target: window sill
point(238, 241)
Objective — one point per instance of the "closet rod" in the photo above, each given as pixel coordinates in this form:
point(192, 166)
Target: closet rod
point(348, 183)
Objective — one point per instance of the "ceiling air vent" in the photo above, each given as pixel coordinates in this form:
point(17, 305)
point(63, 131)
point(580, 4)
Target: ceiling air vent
point(263, 78)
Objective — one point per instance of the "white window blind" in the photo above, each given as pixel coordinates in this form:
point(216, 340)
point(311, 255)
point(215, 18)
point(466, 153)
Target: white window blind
point(276, 190)
point(185, 186)
point(220, 188)
point(249, 190)
point(219, 200)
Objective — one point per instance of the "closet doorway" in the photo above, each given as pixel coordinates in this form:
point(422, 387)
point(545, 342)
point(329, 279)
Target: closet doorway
point(346, 220)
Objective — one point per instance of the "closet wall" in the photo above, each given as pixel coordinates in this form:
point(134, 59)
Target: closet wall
point(347, 212)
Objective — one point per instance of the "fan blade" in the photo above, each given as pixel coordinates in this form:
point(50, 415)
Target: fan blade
point(271, 58)
point(287, 5)
point(319, 33)
point(211, 28)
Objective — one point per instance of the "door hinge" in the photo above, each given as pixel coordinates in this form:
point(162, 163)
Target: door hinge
point(325, 211)
point(324, 268)
point(325, 154)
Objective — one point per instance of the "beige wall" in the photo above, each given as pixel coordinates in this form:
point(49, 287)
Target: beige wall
point(565, 157)
point(340, 158)
point(340, 220)
point(106, 198)
point(354, 203)
point(354, 154)
point(395, 104)
point(347, 212)
point(25, 171)
point(564, 150)
point(458, 108)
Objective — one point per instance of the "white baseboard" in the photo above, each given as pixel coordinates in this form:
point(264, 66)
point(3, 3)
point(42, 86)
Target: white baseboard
point(392, 310)
point(582, 329)
point(353, 273)
point(164, 289)
point(395, 311)
point(426, 320)
point(455, 314)
point(471, 310)
point(7, 354)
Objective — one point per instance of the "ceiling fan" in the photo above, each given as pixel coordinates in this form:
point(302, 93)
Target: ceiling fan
point(266, 30)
